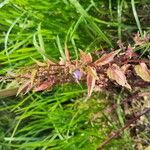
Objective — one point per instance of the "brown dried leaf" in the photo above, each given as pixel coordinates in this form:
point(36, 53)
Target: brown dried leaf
point(45, 85)
point(28, 88)
point(33, 75)
point(138, 40)
point(92, 72)
point(23, 87)
point(114, 72)
point(125, 67)
point(130, 53)
point(90, 84)
point(91, 79)
point(85, 58)
point(143, 71)
point(106, 58)
point(147, 148)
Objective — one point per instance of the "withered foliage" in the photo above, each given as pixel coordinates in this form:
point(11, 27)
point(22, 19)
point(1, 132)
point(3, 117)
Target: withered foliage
point(122, 68)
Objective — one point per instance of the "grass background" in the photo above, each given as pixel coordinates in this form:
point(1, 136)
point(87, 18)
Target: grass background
point(60, 119)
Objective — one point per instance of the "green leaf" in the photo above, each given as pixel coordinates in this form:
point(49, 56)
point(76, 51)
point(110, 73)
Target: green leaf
point(81, 10)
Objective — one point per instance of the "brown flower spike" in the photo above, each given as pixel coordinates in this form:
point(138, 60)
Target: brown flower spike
point(122, 67)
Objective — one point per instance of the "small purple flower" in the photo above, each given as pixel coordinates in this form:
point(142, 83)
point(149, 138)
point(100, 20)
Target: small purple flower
point(77, 74)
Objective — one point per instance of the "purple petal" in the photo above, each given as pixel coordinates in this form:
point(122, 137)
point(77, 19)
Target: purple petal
point(77, 74)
